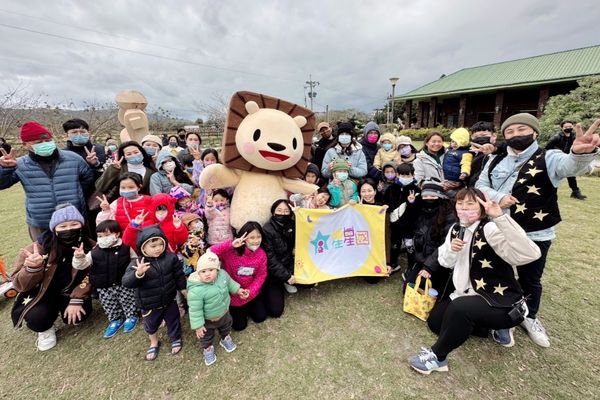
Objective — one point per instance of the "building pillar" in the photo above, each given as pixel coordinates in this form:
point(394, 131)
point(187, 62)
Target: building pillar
point(420, 114)
point(432, 112)
point(542, 100)
point(462, 110)
point(408, 111)
point(499, 109)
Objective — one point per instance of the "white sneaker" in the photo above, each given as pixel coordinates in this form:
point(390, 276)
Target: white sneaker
point(290, 288)
point(536, 331)
point(46, 340)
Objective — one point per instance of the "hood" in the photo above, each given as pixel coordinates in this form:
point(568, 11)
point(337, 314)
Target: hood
point(461, 136)
point(148, 233)
point(389, 164)
point(314, 169)
point(371, 126)
point(163, 156)
point(194, 279)
point(388, 136)
point(163, 199)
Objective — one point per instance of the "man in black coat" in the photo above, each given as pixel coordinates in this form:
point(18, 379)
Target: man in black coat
point(563, 141)
point(325, 143)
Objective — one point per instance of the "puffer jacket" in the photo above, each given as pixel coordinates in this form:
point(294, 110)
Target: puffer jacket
point(370, 149)
point(159, 285)
point(427, 167)
point(219, 227)
point(159, 183)
point(109, 265)
point(209, 300)
point(278, 242)
point(71, 180)
point(356, 158)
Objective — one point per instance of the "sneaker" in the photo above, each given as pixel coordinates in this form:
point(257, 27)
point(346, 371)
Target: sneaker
point(426, 361)
point(209, 355)
point(290, 288)
point(112, 328)
point(228, 344)
point(504, 337)
point(46, 340)
point(130, 324)
point(536, 331)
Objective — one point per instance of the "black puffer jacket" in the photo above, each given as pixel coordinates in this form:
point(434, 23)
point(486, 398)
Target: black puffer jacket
point(278, 243)
point(109, 265)
point(162, 281)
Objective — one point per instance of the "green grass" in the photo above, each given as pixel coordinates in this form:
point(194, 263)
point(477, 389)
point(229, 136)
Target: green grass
point(342, 339)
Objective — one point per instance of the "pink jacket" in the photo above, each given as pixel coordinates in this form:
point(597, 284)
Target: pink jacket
point(219, 229)
point(249, 269)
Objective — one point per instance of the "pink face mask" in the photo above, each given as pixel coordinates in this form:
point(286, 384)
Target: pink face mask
point(372, 137)
point(469, 216)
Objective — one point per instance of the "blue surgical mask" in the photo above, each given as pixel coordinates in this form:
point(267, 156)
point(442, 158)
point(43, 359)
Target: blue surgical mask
point(387, 146)
point(190, 170)
point(342, 176)
point(135, 160)
point(344, 138)
point(44, 149)
point(128, 194)
point(80, 140)
point(405, 181)
point(150, 150)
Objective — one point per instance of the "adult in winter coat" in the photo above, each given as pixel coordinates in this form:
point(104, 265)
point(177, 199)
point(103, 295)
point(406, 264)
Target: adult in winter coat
point(428, 163)
point(49, 176)
point(370, 147)
point(169, 175)
point(347, 149)
point(325, 143)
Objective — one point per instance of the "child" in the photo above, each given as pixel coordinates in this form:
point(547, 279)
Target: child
point(195, 245)
point(313, 175)
point(208, 157)
point(317, 200)
point(208, 300)
point(169, 174)
point(388, 177)
point(184, 203)
point(341, 188)
point(457, 160)
point(387, 152)
point(108, 262)
point(217, 216)
point(156, 278)
point(246, 262)
point(130, 203)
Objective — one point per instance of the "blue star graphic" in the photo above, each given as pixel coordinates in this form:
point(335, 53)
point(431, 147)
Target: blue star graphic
point(318, 238)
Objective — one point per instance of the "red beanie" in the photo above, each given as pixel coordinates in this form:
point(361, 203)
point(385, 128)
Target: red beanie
point(32, 130)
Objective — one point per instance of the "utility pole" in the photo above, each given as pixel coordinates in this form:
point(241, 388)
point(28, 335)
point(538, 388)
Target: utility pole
point(311, 94)
point(327, 113)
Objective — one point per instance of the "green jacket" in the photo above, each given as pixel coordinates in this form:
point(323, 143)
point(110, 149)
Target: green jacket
point(209, 300)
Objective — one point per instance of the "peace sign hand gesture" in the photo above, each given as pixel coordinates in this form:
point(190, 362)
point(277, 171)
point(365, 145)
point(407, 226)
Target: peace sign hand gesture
point(8, 160)
point(492, 209)
point(91, 158)
point(34, 259)
point(104, 205)
point(139, 220)
point(176, 221)
point(586, 143)
point(194, 151)
point(117, 162)
point(239, 242)
point(78, 253)
point(412, 196)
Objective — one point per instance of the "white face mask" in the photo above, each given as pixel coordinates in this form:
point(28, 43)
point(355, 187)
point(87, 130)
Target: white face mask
point(169, 166)
point(253, 247)
point(161, 215)
point(106, 241)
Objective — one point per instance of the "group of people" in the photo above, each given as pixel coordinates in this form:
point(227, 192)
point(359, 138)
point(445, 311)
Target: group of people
point(131, 224)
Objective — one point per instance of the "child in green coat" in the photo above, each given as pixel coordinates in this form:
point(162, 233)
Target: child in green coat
point(208, 301)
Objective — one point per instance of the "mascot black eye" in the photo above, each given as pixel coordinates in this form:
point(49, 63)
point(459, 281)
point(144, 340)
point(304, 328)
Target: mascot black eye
point(294, 143)
point(256, 135)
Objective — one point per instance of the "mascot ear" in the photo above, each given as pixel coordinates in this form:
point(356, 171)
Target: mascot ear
point(299, 120)
point(252, 107)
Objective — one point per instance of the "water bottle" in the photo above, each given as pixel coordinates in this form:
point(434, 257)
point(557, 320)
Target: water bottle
point(433, 293)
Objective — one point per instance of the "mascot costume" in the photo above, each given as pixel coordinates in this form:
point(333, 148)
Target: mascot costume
point(132, 116)
point(266, 147)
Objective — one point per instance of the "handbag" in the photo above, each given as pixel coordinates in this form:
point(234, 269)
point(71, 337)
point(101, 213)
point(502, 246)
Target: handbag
point(417, 301)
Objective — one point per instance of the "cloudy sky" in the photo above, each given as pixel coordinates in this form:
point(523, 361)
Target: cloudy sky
point(181, 54)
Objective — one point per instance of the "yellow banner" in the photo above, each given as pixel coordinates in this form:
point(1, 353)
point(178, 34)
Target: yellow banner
point(346, 242)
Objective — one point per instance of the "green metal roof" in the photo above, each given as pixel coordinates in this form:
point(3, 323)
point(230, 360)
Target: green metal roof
point(548, 68)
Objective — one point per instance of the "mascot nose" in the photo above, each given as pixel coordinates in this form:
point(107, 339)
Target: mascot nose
point(276, 146)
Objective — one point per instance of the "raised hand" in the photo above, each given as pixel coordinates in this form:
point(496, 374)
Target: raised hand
point(78, 253)
point(587, 142)
point(411, 196)
point(33, 259)
point(171, 177)
point(117, 162)
point(195, 152)
point(141, 266)
point(239, 242)
point(176, 221)
point(139, 220)
point(104, 204)
point(91, 157)
point(492, 209)
point(8, 160)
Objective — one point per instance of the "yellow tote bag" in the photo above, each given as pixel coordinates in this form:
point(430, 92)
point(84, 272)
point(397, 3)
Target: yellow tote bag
point(417, 301)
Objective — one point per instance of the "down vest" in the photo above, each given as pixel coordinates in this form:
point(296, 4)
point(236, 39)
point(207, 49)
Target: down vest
point(71, 179)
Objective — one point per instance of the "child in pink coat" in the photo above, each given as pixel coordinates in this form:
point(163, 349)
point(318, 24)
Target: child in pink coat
point(217, 216)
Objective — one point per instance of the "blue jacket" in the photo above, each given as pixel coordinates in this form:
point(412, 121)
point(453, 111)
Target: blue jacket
point(71, 179)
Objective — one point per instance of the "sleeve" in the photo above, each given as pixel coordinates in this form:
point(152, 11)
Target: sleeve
point(360, 169)
point(274, 266)
point(377, 161)
point(355, 192)
point(129, 279)
point(180, 235)
point(25, 278)
point(196, 309)
point(419, 170)
point(83, 262)
point(465, 163)
point(232, 285)
point(130, 236)
point(108, 179)
point(8, 177)
point(561, 165)
point(155, 186)
point(86, 176)
point(552, 143)
point(259, 278)
point(108, 214)
point(483, 183)
point(510, 241)
point(81, 291)
point(187, 187)
point(446, 257)
point(336, 194)
point(198, 167)
point(220, 249)
point(178, 274)
point(329, 156)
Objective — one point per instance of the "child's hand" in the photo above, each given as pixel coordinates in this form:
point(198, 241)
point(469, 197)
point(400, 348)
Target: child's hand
point(243, 293)
point(292, 280)
point(425, 274)
point(463, 176)
point(104, 205)
point(457, 245)
point(349, 164)
point(78, 253)
point(171, 177)
point(352, 202)
point(412, 196)
point(200, 332)
point(336, 182)
point(141, 266)
point(209, 198)
point(184, 293)
point(239, 242)
point(176, 221)
point(139, 220)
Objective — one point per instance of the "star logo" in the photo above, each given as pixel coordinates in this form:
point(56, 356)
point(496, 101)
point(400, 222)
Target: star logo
point(533, 189)
point(531, 162)
point(520, 208)
point(533, 171)
point(479, 244)
point(522, 181)
point(486, 264)
point(320, 238)
point(480, 284)
point(500, 289)
point(540, 215)
point(26, 300)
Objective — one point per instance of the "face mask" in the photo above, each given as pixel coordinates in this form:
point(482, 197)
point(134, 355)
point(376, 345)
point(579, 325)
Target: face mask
point(282, 219)
point(172, 144)
point(253, 247)
point(80, 140)
point(128, 194)
point(69, 237)
point(106, 241)
point(405, 181)
point(372, 138)
point(221, 207)
point(405, 151)
point(390, 176)
point(44, 149)
point(469, 216)
point(520, 143)
point(161, 215)
point(342, 176)
point(112, 147)
point(169, 166)
point(150, 150)
point(387, 146)
point(135, 160)
point(430, 206)
point(568, 130)
point(344, 139)
point(190, 170)
point(481, 140)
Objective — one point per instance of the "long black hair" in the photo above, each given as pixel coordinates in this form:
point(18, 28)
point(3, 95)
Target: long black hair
point(247, 228)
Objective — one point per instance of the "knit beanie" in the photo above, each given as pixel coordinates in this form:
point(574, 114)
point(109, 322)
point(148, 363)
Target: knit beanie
point(461, 137)
point(433, 188)
point(522, 118)
point(340, 164)
point(345, 127)
point(208, 260)
point(178, 193)
point(153, 139)
point(371, 126)
point(65, 213)
point(314, 169)
point(31, 131)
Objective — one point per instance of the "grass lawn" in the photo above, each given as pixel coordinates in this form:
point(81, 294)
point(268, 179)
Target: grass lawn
point(342, 339)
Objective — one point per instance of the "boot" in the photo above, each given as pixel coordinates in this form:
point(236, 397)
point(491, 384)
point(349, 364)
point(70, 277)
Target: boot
point(576, 194)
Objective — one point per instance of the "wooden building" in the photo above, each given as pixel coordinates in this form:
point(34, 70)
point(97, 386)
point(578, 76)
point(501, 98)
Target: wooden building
point(496, 91)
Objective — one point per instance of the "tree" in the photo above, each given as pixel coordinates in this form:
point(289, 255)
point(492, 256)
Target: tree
point(215, 110)
point(16, 107)
point(580, 105)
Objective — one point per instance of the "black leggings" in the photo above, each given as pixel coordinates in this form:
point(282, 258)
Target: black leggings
point(255, 309)
point(41, 316)
point(455, 320)
point(273, 294)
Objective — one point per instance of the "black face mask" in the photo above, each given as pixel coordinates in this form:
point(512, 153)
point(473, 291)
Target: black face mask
point(282, 219)
point(430, 206)
point(520, 143)
point(69, 237)
point(481, 140)
point(568, 130)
